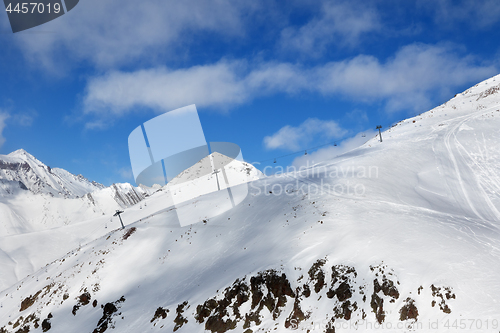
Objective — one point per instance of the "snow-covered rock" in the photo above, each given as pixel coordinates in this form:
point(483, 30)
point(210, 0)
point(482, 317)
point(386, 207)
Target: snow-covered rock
point(237, 171)
point(39, 178)
point(34, 196)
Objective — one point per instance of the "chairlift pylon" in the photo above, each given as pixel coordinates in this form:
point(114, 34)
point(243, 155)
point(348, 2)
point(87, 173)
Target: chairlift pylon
point(118, 212)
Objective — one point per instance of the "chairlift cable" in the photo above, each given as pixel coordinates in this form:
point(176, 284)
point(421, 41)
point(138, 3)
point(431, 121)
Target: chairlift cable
point(298, 152)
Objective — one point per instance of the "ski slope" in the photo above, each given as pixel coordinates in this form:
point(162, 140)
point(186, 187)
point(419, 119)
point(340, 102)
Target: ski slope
point(394, 236)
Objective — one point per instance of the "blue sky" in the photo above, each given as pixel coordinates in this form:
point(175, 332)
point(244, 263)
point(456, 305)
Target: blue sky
point(274, 77)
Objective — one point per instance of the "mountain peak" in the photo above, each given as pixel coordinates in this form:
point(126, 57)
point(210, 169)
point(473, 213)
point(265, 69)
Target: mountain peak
point(40, 178)
point(217, 161)
point(21, 153)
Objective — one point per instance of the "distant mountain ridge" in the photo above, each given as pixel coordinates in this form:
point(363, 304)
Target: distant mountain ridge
point(36, 199)
point(31, 174)
point(57, 197)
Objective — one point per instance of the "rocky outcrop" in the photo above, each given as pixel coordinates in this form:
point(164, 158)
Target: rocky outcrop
point(271, 296)
point(251, 301)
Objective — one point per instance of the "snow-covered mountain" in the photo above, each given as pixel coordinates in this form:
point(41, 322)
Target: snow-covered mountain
point(240, 171)
point(400, 236)
point(214, 173)
point(36, 198)
point(29, 173)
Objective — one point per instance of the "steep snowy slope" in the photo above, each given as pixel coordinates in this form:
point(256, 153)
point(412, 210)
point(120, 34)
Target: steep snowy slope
point(215, 172)
point(38, 178)
point(24, 215)
point(400, 236)
point(35, 197)
point(27, 212)
point(238, 171)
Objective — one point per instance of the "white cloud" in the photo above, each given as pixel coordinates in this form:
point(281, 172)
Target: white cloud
point(162, 89)
point(24, 119)
point(410, 80)
point(339, 23)
point(478, 14)
point(19, 119)
point(3, 117)
point(110, 33)
point(277, 77)
point(327, 153)
point(220, 85)
point(294, 138)
point(126, 173)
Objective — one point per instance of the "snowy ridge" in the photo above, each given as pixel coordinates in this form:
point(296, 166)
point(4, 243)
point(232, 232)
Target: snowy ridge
point(215, 171)
point(11, 187)
point(24, 215)
point(38, 178)
point(45, 197)
point(35, 198)
point(206, 165)
point(403, 234)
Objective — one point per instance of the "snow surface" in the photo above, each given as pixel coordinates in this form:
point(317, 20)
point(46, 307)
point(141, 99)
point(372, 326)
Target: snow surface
point(422, 206)
point(39, 178)
point(39, 205)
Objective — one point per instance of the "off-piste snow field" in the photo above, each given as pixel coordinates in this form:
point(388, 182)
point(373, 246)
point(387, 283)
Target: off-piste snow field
point(394, 236)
